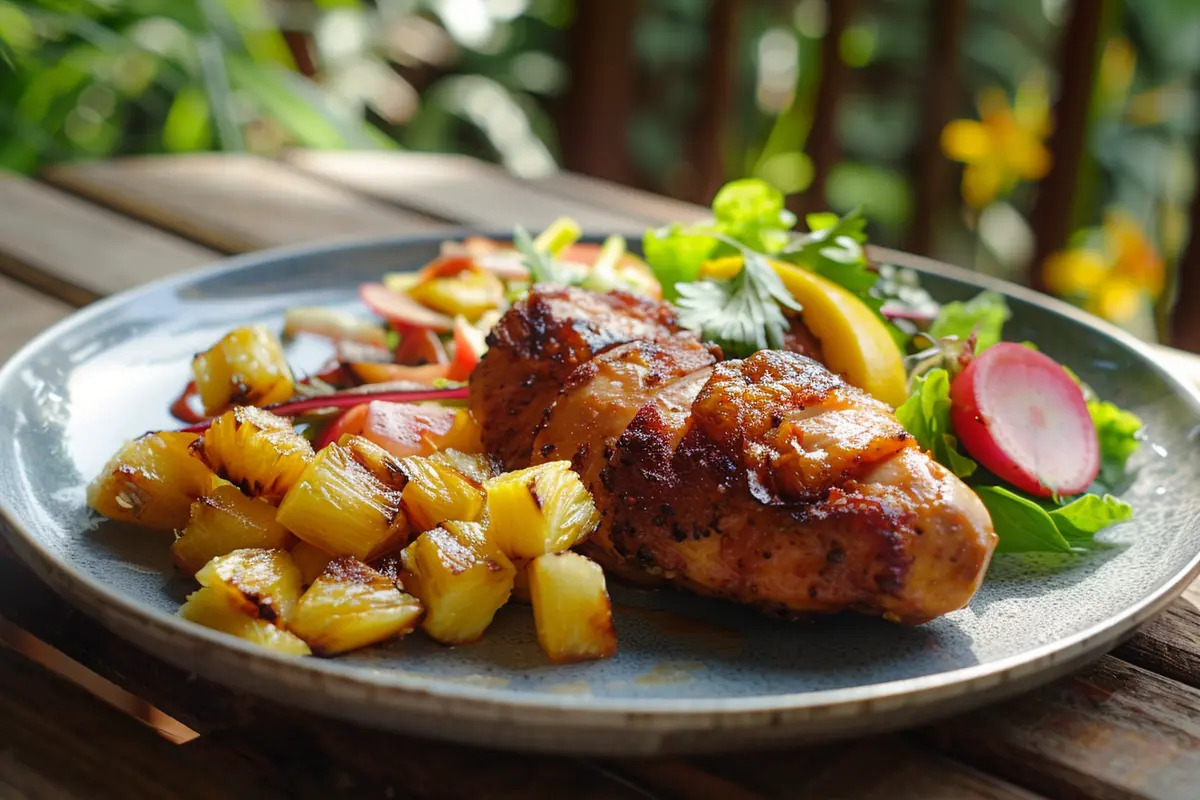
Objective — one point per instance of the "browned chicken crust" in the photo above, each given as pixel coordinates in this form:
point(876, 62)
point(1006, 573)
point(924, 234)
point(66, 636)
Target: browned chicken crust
point(768, 481)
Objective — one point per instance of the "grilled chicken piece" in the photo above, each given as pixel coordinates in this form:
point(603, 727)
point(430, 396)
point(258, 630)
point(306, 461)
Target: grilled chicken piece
point(767, 481)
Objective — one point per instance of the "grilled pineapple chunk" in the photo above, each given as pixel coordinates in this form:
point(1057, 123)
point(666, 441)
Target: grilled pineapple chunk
point(520, 592)
point(464, 435)
point(351, 606)
point(461, 578)
point(262, 583)
point(379, 462)
point(437, 492)
point(340, 507)
point(247, 367)
point(223, 521)
point(256, 450)
point(571, 609)
point(310, 560)
point(475, 467)
point(152, 482)
point(542, 509)
point(212, 609)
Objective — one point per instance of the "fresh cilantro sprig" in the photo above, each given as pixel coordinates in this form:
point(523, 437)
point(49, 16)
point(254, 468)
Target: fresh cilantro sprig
point(542, 266)
point(743, 314)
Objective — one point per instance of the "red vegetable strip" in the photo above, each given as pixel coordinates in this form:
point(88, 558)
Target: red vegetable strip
point(182, 409)
point(346, 399)
point(350, 421)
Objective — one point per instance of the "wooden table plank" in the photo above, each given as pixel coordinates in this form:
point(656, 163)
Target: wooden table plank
point(459, 189)
point(56, 740)
point(650, 209)
point(1112, 730)
point(77, 251)
point(24, 313)
point(235, 203)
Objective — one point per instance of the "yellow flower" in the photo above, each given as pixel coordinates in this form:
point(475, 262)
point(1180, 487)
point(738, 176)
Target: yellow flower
point(1005, 146)
point(1118, 278)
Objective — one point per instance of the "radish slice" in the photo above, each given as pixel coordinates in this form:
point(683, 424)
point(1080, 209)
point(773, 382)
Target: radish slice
point(1017, 412)
point(401, 309)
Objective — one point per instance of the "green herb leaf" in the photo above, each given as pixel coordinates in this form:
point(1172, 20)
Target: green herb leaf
point(926, 415)
point(1022, 526)
point(833, 249)
point(751, 212)
point(1118, 431)
point(985, 314)
point(540, 265)
point(742, 314)
point(1081, 519)
point(676, 253)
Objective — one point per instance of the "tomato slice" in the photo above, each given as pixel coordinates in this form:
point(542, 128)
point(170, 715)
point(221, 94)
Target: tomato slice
point(402, 310)
point(469, 347)
point(350, 421)
point(372, 372)
point(405, 429)
point(1017, 412)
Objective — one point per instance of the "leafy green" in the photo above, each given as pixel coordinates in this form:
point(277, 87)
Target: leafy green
point(984, 314)
point(1081, 519)
point(926, 415)
point(833, 248)
point(1022, 526)
point(540, 264)
point(676, 253)
point(751, 212)
point(1118, 431)
point(741, 314)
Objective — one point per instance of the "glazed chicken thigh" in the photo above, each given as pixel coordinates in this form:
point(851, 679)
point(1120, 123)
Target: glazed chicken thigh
point(768, 481)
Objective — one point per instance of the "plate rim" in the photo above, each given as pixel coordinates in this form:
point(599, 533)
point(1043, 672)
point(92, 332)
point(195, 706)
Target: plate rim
point(584, 710)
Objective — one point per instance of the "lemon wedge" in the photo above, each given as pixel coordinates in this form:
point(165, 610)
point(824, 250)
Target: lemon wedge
point(855, 342)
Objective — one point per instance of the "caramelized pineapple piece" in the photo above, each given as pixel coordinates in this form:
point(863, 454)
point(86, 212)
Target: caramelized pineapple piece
point(460, 577)
point(351, 606)
point(262, 583)
point(475, 467)
point(340, 507)
point(256, 450)
point(520, 592)
point(247, 367)
point(379, 462)
point(571, 609)
point(542, 509)
point(212, 609)
point(151, 482)
point(464, 435)
point(225, 520)
point(437, 492)
point(470, 293)
point(310, 560)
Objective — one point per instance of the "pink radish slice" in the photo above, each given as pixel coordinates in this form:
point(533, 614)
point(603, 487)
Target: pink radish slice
point(1017, 412)
point(402, 309)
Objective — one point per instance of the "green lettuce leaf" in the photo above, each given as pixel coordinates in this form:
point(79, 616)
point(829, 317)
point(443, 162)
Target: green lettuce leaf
point(1118, 431)
point(985, 314)
point(1082, 518)
point(926, 415)
point(1022, 526)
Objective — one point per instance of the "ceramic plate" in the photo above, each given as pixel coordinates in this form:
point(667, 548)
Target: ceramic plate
point(692, 674)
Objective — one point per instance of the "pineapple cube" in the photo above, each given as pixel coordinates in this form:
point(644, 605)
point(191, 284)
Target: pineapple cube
point(475, 467)
point(247, 367)
point(310, 560)
point(340, 507)
point(520, 592)
point(212, 609)
point(542, 509)
point(262, 583)
point(351, 606)
point(259, 452)
point(571, 610)
point(437, 492)
point(464, 435)
point(152, 482)
point(462, 579)
point(223, 521)
point(379, 462)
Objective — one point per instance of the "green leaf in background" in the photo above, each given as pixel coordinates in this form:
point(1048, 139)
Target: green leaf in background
point(1022, 526)
point(1117, 430)
point(1084, 517)
point(926, 415)
point(187, 127)
point(984, 314)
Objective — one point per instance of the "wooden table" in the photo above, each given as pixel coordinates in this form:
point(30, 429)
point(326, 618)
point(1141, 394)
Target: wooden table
point(1126, 726)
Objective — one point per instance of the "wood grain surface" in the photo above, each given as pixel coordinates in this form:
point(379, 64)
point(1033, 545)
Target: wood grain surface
point(1127, 726)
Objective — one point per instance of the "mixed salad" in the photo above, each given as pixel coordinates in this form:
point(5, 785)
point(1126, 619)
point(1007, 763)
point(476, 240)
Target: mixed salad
point(328, 512)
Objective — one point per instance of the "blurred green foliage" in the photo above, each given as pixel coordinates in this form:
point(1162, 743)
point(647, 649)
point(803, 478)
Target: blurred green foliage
point(96, 78)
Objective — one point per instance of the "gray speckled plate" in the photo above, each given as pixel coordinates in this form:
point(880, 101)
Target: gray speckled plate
point(692, 674)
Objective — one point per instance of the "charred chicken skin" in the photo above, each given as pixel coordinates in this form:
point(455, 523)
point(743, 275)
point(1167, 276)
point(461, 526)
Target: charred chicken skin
point(768, 481)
